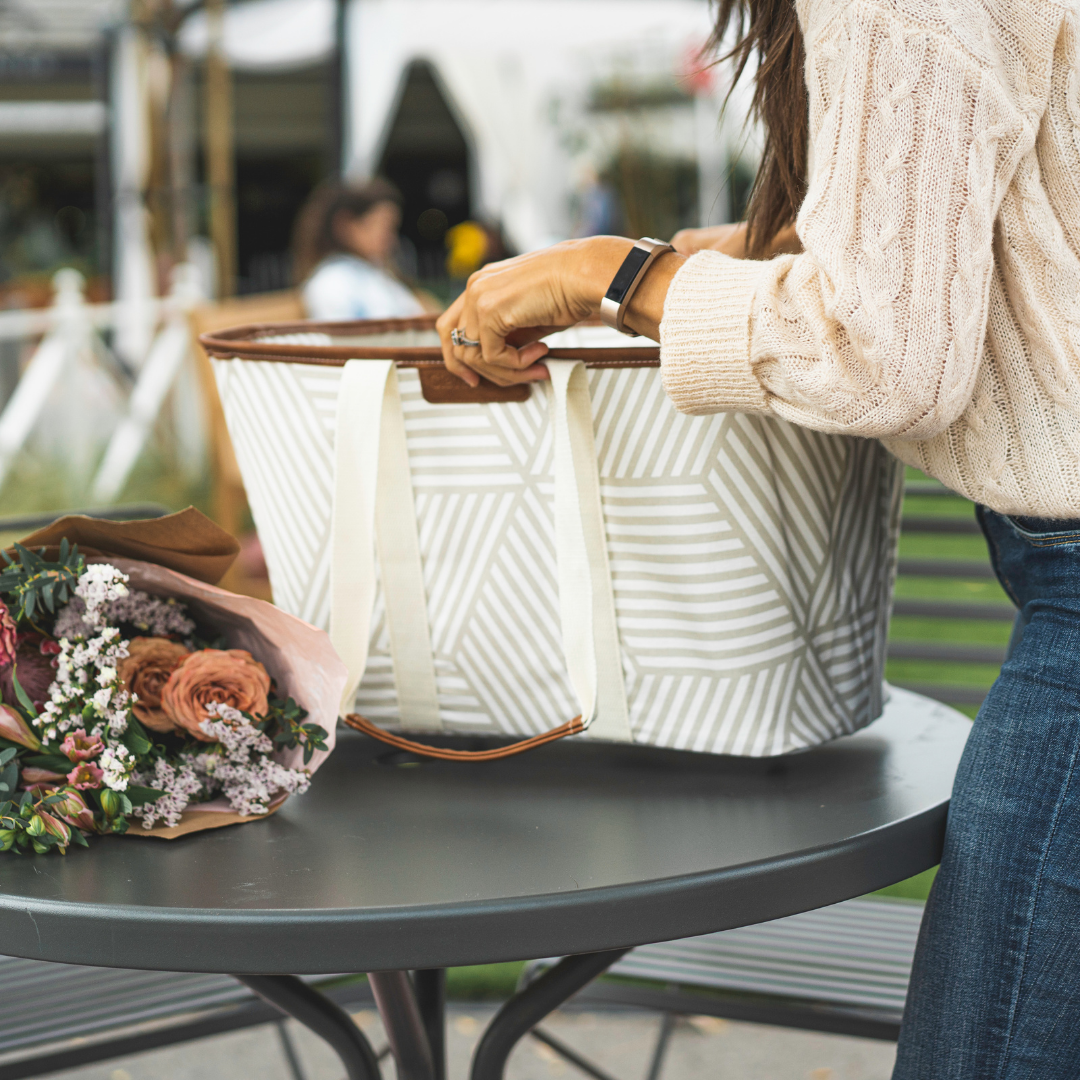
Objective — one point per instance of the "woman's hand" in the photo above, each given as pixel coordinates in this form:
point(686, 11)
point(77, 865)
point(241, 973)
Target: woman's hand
point(508, 306)
point(730, 239)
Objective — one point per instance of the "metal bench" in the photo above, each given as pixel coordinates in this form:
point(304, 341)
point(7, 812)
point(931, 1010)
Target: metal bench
point(842, 969)
point(60, 1016)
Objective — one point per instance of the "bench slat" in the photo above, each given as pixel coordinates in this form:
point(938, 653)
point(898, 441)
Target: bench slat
point(855, 953)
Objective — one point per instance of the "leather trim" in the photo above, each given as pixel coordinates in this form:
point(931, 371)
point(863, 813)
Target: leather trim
point(240, 342)
point(362, 724)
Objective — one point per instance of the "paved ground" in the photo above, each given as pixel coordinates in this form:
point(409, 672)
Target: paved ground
point(620, 1042)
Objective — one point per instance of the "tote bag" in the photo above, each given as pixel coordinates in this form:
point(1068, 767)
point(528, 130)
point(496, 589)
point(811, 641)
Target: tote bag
point(498, 562)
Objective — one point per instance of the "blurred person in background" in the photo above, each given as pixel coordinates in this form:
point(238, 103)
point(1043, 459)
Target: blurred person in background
point(343, 247)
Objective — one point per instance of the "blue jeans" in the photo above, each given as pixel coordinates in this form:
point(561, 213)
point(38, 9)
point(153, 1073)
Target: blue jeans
point(995, 992)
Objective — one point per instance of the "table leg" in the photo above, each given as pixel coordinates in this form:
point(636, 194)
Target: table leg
point(405, 1030)
point(431, 998)
point(317, 1012)
point(528, 1007)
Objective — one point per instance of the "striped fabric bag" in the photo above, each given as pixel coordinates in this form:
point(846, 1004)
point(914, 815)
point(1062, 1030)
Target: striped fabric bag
point(499, 561)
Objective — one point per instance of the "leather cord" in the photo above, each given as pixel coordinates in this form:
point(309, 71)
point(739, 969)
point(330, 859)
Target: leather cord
point(360, 723)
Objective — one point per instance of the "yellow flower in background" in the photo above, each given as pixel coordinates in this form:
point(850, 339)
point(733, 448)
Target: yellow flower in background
point(467, 245)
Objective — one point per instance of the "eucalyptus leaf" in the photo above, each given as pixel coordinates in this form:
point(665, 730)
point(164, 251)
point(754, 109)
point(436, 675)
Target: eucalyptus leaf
point(20, 693)
point(140, 796)
point(52, 762)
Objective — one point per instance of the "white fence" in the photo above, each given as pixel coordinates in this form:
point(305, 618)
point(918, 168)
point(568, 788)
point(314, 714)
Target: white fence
point(71, 341)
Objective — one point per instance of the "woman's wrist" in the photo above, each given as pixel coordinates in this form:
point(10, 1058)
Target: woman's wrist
point(591, 263)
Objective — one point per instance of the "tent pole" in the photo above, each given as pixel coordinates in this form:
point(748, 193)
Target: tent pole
point(220, 166)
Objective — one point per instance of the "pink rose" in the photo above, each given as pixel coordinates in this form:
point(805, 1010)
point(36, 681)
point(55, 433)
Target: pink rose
point(13, 728)
point(85, 775)
point(228, 676)
point(9, 635)
point(79, 746)
point(144, 672)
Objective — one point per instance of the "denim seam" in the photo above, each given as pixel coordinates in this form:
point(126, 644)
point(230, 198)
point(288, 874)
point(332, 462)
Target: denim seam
point(1002, 577)
point(1044, 855)
point(1072, 538)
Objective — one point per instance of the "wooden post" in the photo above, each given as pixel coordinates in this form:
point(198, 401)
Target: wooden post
point(220, 171)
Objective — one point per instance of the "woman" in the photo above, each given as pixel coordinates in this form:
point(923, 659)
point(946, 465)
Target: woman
point(928, 154)
point(345, 238)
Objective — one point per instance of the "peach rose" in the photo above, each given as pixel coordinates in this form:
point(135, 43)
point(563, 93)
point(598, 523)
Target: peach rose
point(230, 676)
point(144, 672)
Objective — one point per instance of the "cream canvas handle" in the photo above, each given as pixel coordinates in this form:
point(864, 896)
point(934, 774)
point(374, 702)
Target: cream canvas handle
point(586, 597)
point(373, 508)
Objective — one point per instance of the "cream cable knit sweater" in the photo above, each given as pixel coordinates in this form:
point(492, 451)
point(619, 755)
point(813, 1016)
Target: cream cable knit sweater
point(936, 305)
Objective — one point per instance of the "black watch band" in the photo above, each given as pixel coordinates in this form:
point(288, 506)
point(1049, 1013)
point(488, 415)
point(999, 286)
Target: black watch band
point(626, 280)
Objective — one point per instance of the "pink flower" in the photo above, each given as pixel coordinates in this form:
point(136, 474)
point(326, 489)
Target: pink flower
point(82, 747)
point(48, 647)
point(59, 829)
point(85, 775)
point(9, 635)
point(13, 728)
point(74, 811)
point(36, 779)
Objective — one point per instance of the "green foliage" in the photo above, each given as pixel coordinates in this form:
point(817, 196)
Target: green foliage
point(36, 583)
point(136, 739)
point(52, 762)
point(9, 773)
point(140, 796)
point(27, 823)
point(21, 694)
point(284, 724)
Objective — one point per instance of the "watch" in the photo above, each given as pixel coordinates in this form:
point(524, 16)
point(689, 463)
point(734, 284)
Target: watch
point(626, 280)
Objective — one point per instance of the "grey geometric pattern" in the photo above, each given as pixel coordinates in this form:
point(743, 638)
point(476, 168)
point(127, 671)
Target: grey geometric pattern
point(752, 561)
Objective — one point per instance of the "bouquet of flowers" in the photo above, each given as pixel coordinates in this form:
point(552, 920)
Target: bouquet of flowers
point(128, 703)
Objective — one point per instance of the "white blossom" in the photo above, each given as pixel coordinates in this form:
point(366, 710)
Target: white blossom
point(117, 763)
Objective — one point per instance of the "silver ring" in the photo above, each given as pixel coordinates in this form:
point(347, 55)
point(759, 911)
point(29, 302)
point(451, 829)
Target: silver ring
point(457, 336)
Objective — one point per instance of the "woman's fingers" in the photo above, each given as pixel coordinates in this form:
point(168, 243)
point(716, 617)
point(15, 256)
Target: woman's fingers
point(446, 324)
point(506, 365)
point(506, 306)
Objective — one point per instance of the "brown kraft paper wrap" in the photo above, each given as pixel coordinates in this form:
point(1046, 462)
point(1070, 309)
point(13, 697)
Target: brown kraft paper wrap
point(298, 656)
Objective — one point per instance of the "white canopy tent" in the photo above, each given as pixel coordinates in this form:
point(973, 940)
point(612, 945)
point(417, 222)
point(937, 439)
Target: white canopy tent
point(517, 74)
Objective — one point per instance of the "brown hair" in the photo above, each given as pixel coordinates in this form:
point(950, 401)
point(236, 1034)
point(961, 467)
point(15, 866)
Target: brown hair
point(314, 235)
point(770, 29)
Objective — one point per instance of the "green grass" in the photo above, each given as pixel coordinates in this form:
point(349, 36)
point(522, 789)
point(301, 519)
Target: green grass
point(35, 486)
point(915, 888)
point(485, 982)
point(966, 631)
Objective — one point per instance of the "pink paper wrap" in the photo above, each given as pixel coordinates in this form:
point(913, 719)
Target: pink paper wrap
point(296, 654)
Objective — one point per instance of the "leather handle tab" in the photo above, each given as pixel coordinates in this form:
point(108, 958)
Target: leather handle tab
point(355, 720)
point(441, 387)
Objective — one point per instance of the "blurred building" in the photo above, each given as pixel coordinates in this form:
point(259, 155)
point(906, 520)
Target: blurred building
point(53, 141)
point(538, 118)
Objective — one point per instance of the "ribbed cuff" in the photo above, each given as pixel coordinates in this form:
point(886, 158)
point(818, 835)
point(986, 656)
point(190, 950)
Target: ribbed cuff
point(705, 335)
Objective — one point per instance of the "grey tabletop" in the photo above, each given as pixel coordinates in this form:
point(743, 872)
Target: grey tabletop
point(570, 848)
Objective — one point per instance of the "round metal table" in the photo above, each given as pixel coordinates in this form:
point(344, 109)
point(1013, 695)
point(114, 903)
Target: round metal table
point(389, 864)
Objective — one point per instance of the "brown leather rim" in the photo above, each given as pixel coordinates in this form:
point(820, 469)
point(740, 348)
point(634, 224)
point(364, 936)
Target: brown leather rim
point(237, 342)
point(360, 723)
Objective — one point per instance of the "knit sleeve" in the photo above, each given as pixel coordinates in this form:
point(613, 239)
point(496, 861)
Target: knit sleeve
point(876, 329)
